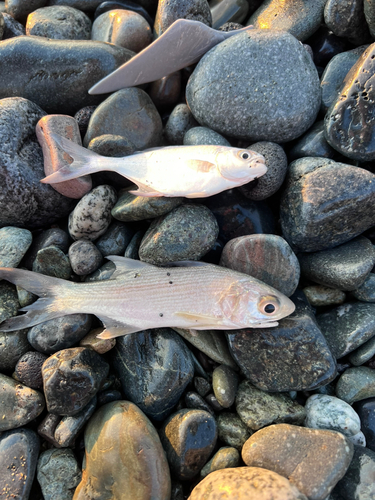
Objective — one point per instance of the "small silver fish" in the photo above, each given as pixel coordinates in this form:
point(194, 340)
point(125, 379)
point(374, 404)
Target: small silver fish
point(190, 171)
point(140, 296)
point(182, 44)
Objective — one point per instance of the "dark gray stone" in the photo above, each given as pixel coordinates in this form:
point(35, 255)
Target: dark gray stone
point(366, 292)
point(358, 482)
point(363, 353)
point(53, 262)
point(85, 5)
point(69, 427)
point(366, 412)
point(345, 267)
point(9, 304)
point(28, 369)
point(131, 251)
point(317, 210)
point(202, 136)
point(312, 143)
point(14, 243)
point(116, 239)
point(12, 27)
point(170, 10)
point(180, 121)
point(232, 431)
point(85, 257)
point(50, 237)
point(154, 368)
point(20, 9)
point(202, 386)
point(195, 402)
point(356, 384)
point(59, 23)
point(369, 9)
point(286, 98)
point(12, 346)
point(318, 295)
point(346, 18)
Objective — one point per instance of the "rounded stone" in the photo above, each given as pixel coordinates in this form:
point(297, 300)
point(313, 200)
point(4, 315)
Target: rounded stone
point(101, 346)
point(58, 474)
point(328, 412)
point(194, 401)
point(14, 243)
point(276, 101)
point(364, 353)
point(188, 438)
point(224, 458)
point(116, 239)
point(55, 237)
point(59, 23)
point(20, 10)
point(79, 371)
point(129, 112)
point(53, 262)
point(166, 91)
point(170, 10)
point(347, 19)
point(123, 454)
point(12, 346)
point(356, 384)
point(224, 384)
point(69, 427)
point(358, 480)
point(204, 136)
point(12, 27)
point(28, 369)
point(266, 257)
point(9, 304)
point(85, 257)
point(232, 431)
point(243, 483)
point(180, 121)
point(366, 412)
point(186, 233)
point(92, 215)
point(318, 296)
point(366, 292)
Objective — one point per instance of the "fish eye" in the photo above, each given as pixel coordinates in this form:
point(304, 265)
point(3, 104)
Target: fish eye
point(244, 155)
point(269, 305)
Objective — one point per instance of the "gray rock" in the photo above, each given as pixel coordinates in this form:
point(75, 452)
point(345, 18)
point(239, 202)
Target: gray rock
point(180, 121)
point(20, 9)
point(356, 384)
point(59, 23)
point(170, 10)
point(28, 369)
point(9, 304)
point(116, 239)
point(88, 5)
point(58, 474)
point(24, 201)
point(50, 237)
point(53, 262)
point(12, 27)
point(313, 143)
point(12, 346)
point(14, 243)
point(364, 353)
point(366, 292)
point(56, 74)
point(300, 18)
point(195, 402)
point(197, 136)
point(276, 101)
point(347, 19)
point(131, 251)
point(358, 439)
point(318, 295)
point(358, 482)
point(232, 431)
point(369, 10)
point(85, 257)
point(69, 427)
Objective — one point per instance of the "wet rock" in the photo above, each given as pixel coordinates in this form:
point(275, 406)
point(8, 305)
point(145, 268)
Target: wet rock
point(53, 262)
point(79, 371)
point(301, 19)
point(20, 10)
point(291, 356)
point(14, 243)
point(347, 19)
point(20, 404)
point(170, 10)
point(363, 353)
point(92, 215)
point(224, 383)
point(345, 267)
point(197, 136)
point(59, 23)
point(348, 326)
point(224, 458)
point(69, 427)
point(366, 412)
point(58, 474)
point(358, 481)
point(124, 28)
point(128, 112)
point(313, 460)
point(313, 218)
point(195, 402)
point(258, 408)
point(59, 333)
point(188, 438)
point(12, 346)
point(83, 116)
point(179, 123)
point(231, 430)
point(356, 384)
point(28, 369)
point(154, 367)
point(281, 67)
point(318, 295)
point(19, 451)
point(266, 257)
point(246, 482)
point(85, 257)
point(313, 143)
point(186, 233)
point(234, 11)
point(114, 462)
point(56, 74)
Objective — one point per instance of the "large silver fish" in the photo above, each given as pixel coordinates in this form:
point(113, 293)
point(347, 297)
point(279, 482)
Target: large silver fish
point(190, 171)
point(140, 296)
point(182, 44)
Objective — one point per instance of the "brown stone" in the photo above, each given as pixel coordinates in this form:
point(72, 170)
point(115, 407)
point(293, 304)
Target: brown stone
point(99, 345)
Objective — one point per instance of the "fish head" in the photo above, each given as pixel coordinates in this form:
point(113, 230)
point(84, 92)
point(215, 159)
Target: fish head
point(240, 165)
point(250, 303)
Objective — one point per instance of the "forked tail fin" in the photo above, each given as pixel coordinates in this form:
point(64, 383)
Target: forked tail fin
point(84, 162)
point(50, 305)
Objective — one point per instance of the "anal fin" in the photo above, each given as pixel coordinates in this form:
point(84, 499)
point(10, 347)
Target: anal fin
point(115, 329)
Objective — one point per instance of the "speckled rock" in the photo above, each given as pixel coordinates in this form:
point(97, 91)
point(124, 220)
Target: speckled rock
point(188, 438)
point(232, 11)
point(20, 404)
point(232, 431)
point(243, 483)
point(59, 23)
point(313, 460)
point(114, 463)
point(194, 401)
point(179, 122)
point(28, 369)
point(20, 10)
point(130, 207)
point(318, 295)
point(347, 19)
point(12, 346)
point(24, 201)
point(270, 182)
point(313, 218)
point(312, 143)
point(14, 243)
point(224, 458)
point(58, 474)
point(328, 412)
point(197, 136)
point(363, 353)
point(366, 292)
point(77, 370)
point(258, 408)
point(92, 215)
point(131, 251)
point(170, 10)
point(356, 384)
point(85, 257)
point(358, 481)
point(129, 112)
point(186, 233)
point(266, 257)
point(276, 110)
point(300, 18)
point(124, 28)
point(53, 262)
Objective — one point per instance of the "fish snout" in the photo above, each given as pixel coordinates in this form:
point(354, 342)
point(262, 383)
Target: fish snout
point(258, 164)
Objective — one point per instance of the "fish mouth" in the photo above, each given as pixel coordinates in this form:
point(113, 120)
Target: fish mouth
point(258, 165)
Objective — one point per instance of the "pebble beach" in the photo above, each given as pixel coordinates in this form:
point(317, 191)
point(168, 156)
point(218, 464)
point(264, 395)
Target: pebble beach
point(279, 413)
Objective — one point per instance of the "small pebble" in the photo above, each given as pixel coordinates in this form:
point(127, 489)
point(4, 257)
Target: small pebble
point(204, 136)
point(356, 384)
point(366, 292)
point(53, 262)
point(179, 122)
point(59, 22)
point(232, 431)
point(224, 383)
point(101, 346)
point(366, 412)
point(363, 353)
point(84, 257)
point(171, 10)
point(358, 481)
point(224, 458)
point(28, 369)
point(68, 428)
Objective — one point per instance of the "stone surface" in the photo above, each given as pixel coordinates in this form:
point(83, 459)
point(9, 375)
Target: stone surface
point(166, 91)
point(49, 237)
point(366, 412)
point(266, 257)
point(79, 371)
point(231, 430)
point(12, 27)
point(67, 430)
point(197, 136)
point(195, 402)
point(8, 300)
point(258, 409)
point(366, 292)
point(313, 143)
point(84, 257)
point(318, 295)
point(286, 98)
point(59, 23)
point(52, 261)
point(154, 367)
point(313, 460)
point(116, 461)
point(313, 218)
point(180, 121)
point(14, 243)
point(12, 346)
point(224, 458)
point(28, 369)
point(243, 483)
point(170, 10)
point(224, 384)
point(101, 346)
point(369, 10)
point(20, 10)
point(356, 384)
point(188, 438)
point(363, 353)
point(347, 19)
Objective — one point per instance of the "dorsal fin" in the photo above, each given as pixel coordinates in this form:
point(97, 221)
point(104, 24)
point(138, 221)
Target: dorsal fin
point(126, 265)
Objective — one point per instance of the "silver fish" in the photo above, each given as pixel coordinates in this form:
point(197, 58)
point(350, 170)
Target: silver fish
point(140, 296)
point(182, 44)
point(190, 171)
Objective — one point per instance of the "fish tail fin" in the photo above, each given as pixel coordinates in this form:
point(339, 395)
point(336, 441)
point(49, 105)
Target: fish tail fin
point(51, 305)
point(84, 162)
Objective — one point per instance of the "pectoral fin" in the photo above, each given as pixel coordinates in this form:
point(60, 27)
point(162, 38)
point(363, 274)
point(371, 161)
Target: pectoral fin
point(114, 329)
point(201, 166)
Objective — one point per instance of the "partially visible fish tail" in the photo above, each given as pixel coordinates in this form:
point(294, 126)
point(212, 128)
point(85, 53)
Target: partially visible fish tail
point(51, 305)
point(84, 162)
